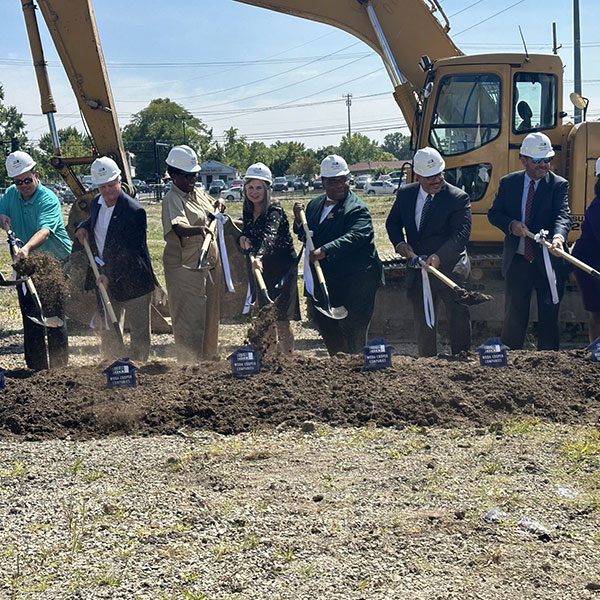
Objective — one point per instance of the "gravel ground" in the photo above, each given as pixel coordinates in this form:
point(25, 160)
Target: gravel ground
point(324, 514)
point(312, 511)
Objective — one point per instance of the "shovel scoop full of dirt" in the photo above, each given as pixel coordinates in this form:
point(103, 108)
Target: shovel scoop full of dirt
point(47, 274)
point(471, 298)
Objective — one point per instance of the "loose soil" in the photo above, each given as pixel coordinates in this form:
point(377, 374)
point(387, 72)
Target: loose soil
point(450, 392)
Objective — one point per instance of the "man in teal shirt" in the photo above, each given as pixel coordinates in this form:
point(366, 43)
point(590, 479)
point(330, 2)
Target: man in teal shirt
point(33, 212)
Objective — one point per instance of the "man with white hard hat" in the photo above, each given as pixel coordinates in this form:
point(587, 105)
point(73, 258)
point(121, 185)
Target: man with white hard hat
point(33, 213)
point(194, 294)
point(431, 219)
point(116, 232)
point(342, 232)
point(532, 200)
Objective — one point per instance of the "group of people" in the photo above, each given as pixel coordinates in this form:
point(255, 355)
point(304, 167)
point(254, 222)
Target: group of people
point(429, 224)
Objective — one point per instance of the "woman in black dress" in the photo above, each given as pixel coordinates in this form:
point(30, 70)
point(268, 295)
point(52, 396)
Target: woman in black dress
point(266, 235)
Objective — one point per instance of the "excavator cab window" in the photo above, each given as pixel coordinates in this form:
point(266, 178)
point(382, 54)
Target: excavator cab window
point(467, 112)
point(473, 179)
point(534, 102)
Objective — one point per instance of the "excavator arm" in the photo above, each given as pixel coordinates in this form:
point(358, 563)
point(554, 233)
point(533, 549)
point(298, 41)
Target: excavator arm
point(400, 31)
point(72, 25)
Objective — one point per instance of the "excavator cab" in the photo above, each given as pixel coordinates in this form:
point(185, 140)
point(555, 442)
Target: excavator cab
point(478, 110)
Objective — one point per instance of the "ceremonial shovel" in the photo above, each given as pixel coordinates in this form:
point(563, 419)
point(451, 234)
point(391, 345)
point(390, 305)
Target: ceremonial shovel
point(338, 312)
point(578, 263)
point(205, 246)
point(39, 319)
point(463, 296)
point(103, 292)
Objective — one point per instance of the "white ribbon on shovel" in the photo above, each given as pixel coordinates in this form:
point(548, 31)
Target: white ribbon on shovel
point(427, 300)
point(309, 282)
point(540, 238)
point(221, 220)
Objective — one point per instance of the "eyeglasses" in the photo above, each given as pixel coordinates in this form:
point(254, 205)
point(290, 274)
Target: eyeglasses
point(25, 181)
point(537, 161)
point(188, 176)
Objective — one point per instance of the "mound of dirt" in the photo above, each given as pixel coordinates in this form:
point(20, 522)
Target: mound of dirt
point(75, 402)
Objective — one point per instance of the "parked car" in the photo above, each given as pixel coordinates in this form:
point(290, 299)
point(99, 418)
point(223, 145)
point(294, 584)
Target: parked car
point(316, 183)
point(67, 197)
point(216, 186)
point(237, 183)
point(361, 180)
point(290, 180)
point(300, 183)
point(380, 188)
point(199, 186)
point(384, 177)
point(280, 184)
point(233, 194)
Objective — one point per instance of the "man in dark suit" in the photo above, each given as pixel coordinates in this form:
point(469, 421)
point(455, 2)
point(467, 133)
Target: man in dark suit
point(432, 219)
point(345, 248)
point(532, 199)
point(117, 228)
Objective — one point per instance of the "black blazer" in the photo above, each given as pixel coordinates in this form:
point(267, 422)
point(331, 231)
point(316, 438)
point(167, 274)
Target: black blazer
point(550, 210)
point(445, 231)
point(126, 258)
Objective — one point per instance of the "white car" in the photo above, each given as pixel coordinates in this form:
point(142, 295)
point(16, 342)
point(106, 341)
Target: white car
point(380, 188)
point(233, 194)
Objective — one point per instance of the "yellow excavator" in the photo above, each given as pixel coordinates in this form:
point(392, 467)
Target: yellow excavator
point(475, 109)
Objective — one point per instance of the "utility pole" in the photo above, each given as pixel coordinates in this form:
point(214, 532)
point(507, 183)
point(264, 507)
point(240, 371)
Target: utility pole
point(577, 55)
point(348, 104)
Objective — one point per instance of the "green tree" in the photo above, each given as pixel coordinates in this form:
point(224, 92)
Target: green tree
point(306, 165)
point(359, 148)
point(12, 127)
point(284, 155)
point(398, 145)
point(235, 149)
point(169, 123)
point(72, 143)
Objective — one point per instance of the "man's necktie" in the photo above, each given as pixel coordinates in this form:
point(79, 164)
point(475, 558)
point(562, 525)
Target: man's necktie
point(426, 208)
point(528, 249)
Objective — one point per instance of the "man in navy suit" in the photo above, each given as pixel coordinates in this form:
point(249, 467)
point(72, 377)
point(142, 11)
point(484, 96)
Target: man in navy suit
point(532, 199)
point(432, 219)
point(117, 228)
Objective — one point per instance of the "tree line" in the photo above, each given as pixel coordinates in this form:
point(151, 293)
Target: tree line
point(170, 124)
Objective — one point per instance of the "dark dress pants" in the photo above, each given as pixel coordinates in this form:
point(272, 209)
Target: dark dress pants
point(35, 337)
point(357, 293)
point(457, 315)
point(521, 279)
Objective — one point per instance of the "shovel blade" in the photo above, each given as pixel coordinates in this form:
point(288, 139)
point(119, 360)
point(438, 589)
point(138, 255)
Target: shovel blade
point(47, 321)
point(333, 312)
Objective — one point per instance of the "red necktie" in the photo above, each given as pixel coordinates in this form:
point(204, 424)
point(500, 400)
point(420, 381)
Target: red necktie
point(528, 250)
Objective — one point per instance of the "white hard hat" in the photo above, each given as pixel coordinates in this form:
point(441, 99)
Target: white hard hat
point(184, 159)
point(427, 162)
point(18, 162)
point(597, 169)
point(103, 170)
point(259, 171)
point(537, 145)
point(334, 166)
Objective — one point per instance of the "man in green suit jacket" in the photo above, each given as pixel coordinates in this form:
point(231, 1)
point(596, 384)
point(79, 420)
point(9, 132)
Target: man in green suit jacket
point(342, 232)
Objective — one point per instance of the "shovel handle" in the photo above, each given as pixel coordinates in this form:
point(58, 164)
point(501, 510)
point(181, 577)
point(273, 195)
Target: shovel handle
point(311, 247)
point(443, 278)
point(578, 263)
point(103, 292)
point(261, 284)
point(206, 243)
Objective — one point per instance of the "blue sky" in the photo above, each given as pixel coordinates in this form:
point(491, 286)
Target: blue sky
point(231, 64)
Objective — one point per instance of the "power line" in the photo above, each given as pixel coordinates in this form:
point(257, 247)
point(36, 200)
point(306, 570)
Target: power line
point(262, 79)
point(490, 17)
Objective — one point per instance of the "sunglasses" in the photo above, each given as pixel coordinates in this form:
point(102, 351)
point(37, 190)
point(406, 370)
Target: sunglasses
point(537, 161)
point(25, 181)
point(188, 176)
